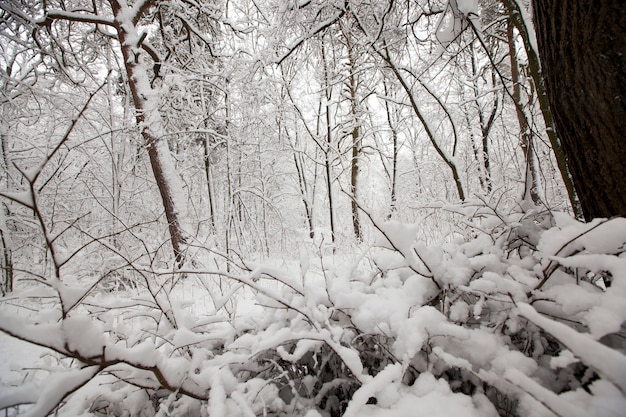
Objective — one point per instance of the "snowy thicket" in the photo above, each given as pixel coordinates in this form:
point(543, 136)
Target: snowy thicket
point(302, 151)
point(520, 314)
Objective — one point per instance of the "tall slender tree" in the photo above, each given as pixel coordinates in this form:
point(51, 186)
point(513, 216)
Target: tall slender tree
point(143, 65)
point(352, 84)
point(531, 182)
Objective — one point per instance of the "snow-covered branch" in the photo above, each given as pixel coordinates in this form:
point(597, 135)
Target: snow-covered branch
point(52, 15)
point(608, 362)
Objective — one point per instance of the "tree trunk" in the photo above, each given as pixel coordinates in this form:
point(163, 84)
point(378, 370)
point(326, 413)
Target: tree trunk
point(521, 22)
point(531, 181)
point(6, 246)
point(328, 150)
point(583, 55)
point(486, 123)
point(356, 139)
point(449, 161)
point(150, 123)
point(395, 152)
point(207, 172)
point(6, 262)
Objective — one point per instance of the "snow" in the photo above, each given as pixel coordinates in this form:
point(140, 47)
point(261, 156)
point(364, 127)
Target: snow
point(564, 359)
point(349, 357)
point(449, 27)
point(337, 308)
point(394, 234)
point(607, 362)
point(302, 347)
point(83, 336)
point(528, 23)
point(78, 16)
point(504, 297)
point(446, 310)
point(381, 387)
point(416, 331)
point(606, 310)
point(40, 334)
point(546, 397)
point(25, 198)
point(428, 397)
point(17, 355)
point(148, 108)
point(143, 354)
point(56, 388)
point(467, 6)
point(216, 406)
point(460, 311)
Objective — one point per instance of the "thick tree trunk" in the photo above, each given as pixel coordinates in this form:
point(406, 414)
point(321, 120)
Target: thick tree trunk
point(582, 46)
point(522, 22)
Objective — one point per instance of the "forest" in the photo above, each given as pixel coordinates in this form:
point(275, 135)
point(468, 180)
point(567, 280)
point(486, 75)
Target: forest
point(315, 208)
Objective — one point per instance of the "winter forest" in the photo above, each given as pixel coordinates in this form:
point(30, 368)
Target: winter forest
point(316, 208)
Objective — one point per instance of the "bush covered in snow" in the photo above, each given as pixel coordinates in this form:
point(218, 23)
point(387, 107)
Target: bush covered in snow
point(521, 313)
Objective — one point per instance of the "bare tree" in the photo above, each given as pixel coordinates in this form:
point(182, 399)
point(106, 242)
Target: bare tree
point(143, 66)
point(531, 181)
point(352, 85)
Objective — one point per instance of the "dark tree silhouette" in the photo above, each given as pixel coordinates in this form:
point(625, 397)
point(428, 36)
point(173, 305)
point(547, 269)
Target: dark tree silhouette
point(582, 46)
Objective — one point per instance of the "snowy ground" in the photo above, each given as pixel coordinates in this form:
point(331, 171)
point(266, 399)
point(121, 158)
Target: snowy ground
point(16, 355)
point(249, 336)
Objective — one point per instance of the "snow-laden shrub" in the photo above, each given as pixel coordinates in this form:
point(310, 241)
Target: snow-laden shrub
point(520, 314)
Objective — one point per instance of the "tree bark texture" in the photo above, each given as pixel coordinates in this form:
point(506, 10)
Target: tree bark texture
point(534, 67)
point(582, 46)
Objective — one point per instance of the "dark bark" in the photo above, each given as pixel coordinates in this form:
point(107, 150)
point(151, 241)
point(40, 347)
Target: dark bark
point(209, 186)
point(534, 68)
point(304, 191)
point(328, 149)
point(329, 179)
point(582, 46)
point(6, 266)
